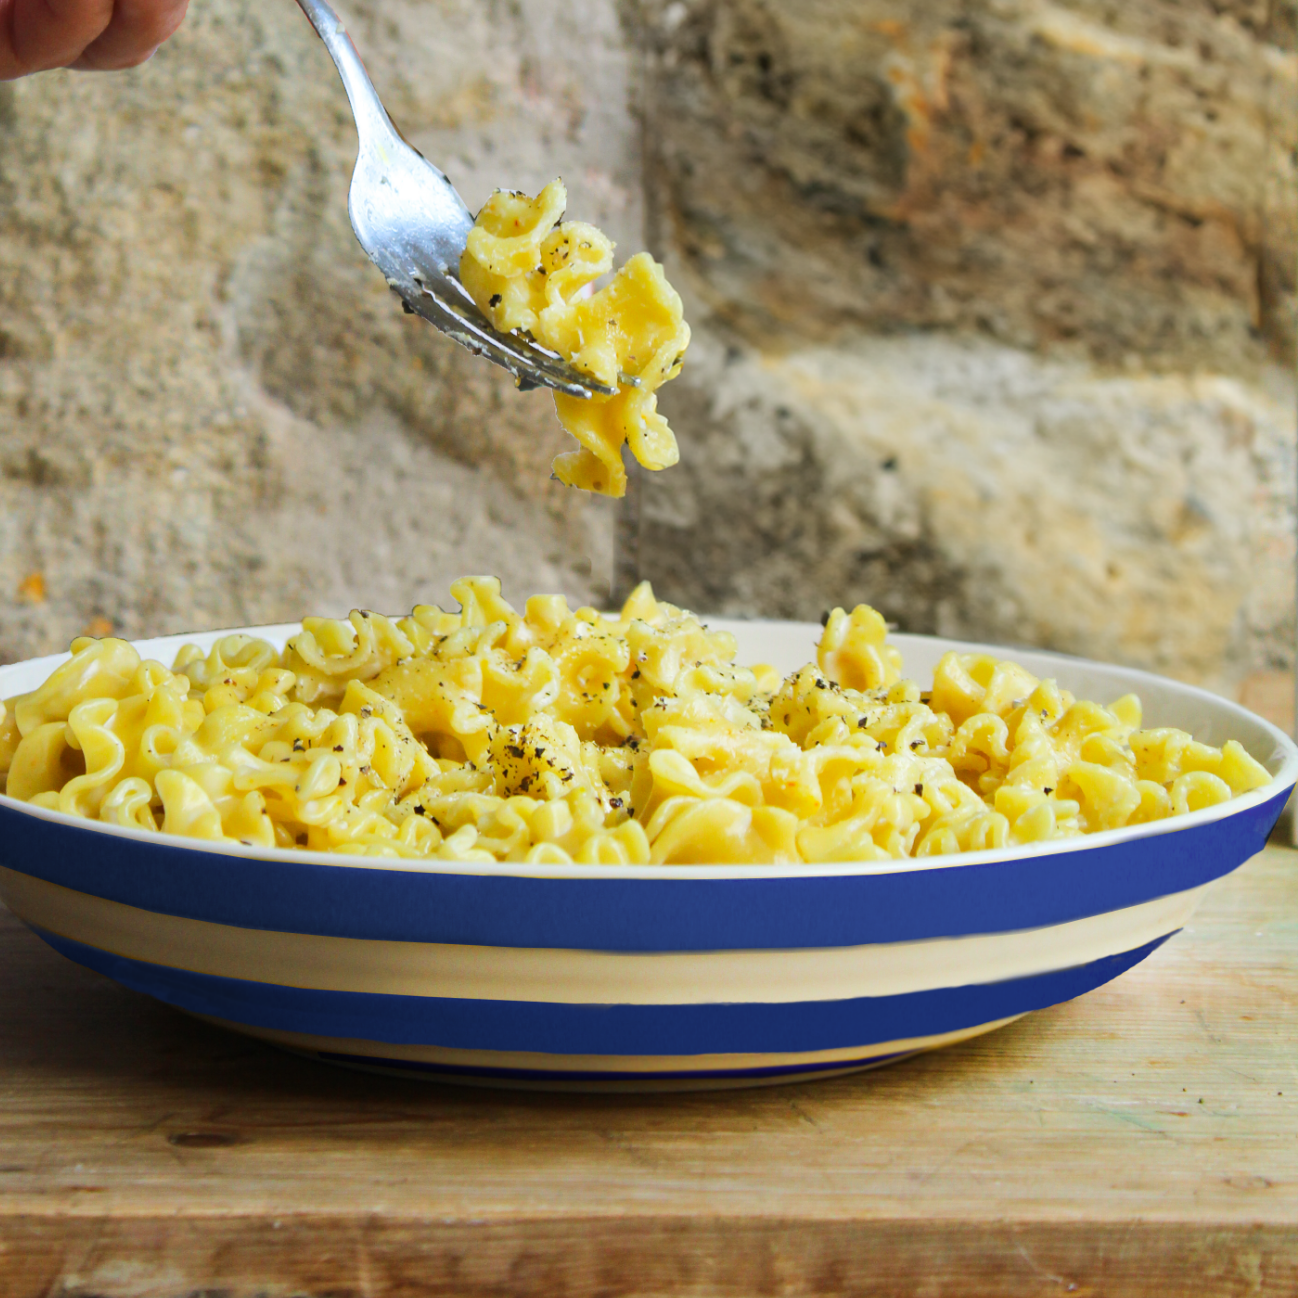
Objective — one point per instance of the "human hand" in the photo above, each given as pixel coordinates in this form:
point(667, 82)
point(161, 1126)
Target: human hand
point(93, 35)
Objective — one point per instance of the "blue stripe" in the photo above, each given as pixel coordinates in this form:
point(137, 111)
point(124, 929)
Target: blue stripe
point(601, 1029)
point(604, 912)
point(452, 1071)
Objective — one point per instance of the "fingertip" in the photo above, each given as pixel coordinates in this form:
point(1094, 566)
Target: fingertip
point(118, 61)
point(135, 34)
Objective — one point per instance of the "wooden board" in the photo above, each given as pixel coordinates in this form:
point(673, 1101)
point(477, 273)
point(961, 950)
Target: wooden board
point(1140, 1141)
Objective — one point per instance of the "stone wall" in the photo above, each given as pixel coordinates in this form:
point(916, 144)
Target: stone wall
point(212, 411)
point(996, 312)
point(993, 305)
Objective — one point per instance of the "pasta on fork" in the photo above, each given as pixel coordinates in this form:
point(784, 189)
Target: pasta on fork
point(528, 269)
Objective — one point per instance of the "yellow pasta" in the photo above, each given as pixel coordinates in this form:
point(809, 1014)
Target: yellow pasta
point(560, 735)
point(527, 270)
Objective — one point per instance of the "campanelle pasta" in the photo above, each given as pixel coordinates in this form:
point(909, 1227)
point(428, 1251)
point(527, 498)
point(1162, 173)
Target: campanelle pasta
point(558, 735)
point(526, 270)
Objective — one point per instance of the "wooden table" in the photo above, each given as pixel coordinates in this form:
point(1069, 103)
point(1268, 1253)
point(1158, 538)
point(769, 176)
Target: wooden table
point(1142, 1140)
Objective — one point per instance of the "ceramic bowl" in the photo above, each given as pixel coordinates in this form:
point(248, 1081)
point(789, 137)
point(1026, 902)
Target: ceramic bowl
point(635, 977)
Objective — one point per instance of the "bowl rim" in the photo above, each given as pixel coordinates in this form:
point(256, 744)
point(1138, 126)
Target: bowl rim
point(1284, 779)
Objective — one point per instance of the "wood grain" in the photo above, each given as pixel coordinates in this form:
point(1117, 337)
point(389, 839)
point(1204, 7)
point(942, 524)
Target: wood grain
point(1140, 1141)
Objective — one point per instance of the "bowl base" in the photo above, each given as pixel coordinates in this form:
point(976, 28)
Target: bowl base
point(501, 1070)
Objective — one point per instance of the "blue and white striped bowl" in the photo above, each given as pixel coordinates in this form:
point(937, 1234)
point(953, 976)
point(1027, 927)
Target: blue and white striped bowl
point(635, 977)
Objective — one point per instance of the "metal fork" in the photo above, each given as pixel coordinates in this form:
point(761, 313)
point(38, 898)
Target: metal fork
point(409, 219)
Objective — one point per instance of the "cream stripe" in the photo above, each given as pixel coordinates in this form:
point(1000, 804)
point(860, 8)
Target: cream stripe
point(582, 977)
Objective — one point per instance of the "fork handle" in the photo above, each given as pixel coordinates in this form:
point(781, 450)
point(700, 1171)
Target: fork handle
point(367, 108)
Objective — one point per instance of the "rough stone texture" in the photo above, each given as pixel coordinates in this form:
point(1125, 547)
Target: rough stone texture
point(993, 304)
point(1085, 173)
point(967, 488)
point(212, 411)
